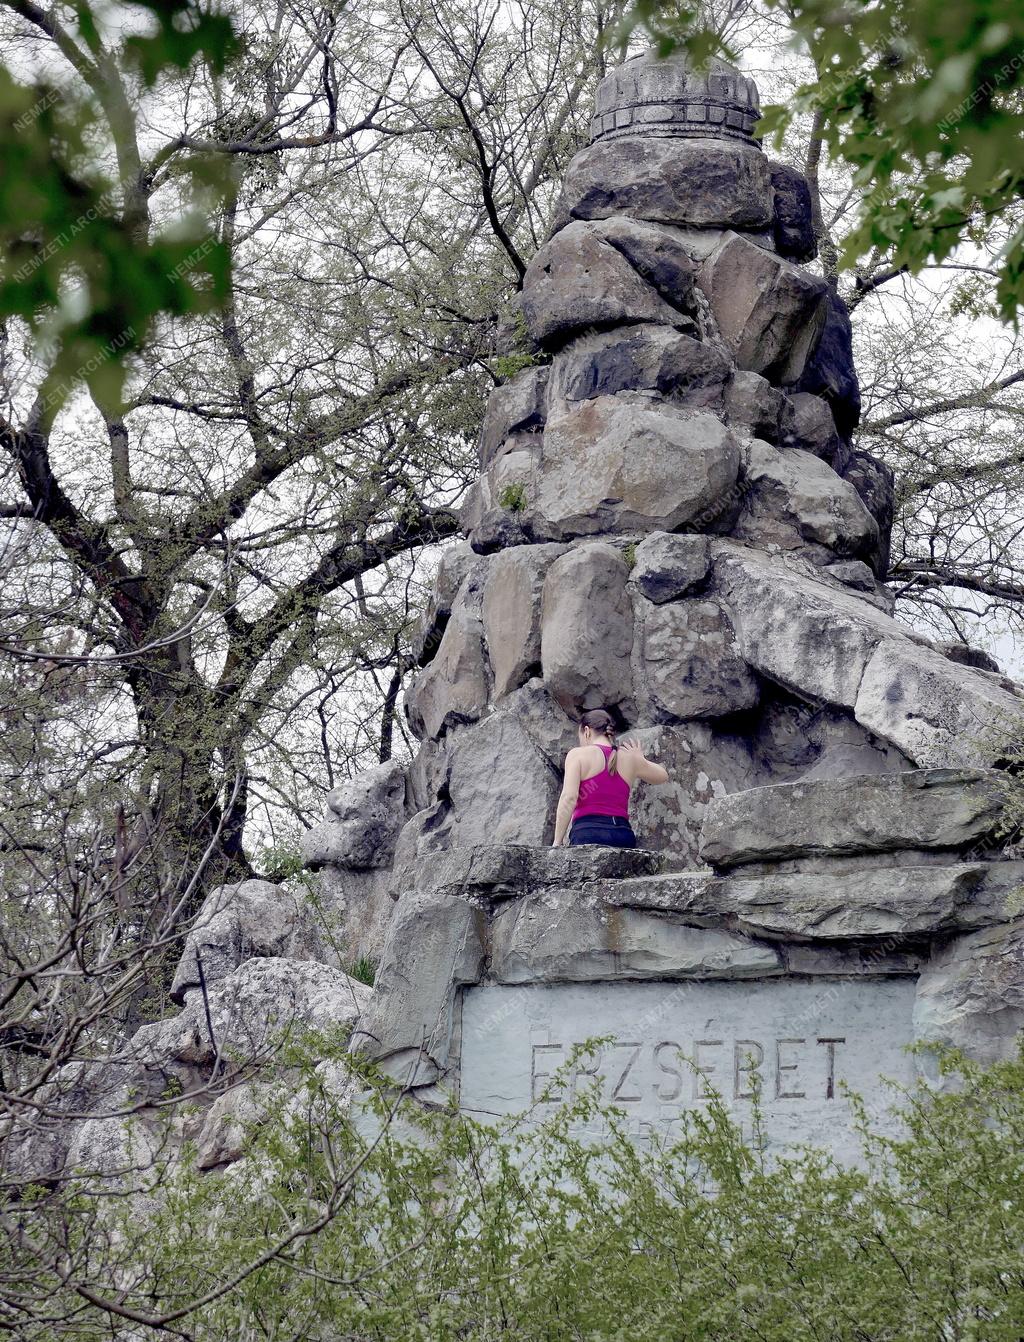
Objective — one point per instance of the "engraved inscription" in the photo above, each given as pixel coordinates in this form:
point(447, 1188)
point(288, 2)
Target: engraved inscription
point(793, 1045)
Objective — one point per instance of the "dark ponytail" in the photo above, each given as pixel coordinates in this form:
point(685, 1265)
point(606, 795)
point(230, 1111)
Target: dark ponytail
point(600, 720)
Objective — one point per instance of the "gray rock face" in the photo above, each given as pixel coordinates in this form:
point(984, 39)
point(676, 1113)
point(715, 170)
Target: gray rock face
point(873, 481)
point(253, 919)
point(971, 994)
point(702, 184)
point(660, 255)
point(511, 610)
point(769, 311)
point(794, 497)
point(636, 358)
point(554, 938)
point(516, 406)
point(754, 405)
point(806, 422)
point(453, 687)
point(791, 214)
point(614, 465)
point(434, 945)
point(577, 281)
point(668, 566)
point(366, 814)
point(829, 370)
point(587, 628)
point(686, 662)
point(928, 808)
point(501, 787)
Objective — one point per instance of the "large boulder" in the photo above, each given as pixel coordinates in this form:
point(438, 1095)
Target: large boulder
point(947, 809)
point(667, 565)
point(769, 312)
point(685, 663)
point(613, 464)
point(459, 567)
point(252, 919)
point(660, 255)
point(806, 422)
point(754, 405)
point(636, 358)
point(824, 643)
point(791, 213)
point(515, 406)
point(511, 613)
point(365, 814)
point(792, 497)
point(587, 628)
point(577, 282)
point(829, 370)
point(502, 787)
point(453, 687)
point(971, 994)
point(702, 183)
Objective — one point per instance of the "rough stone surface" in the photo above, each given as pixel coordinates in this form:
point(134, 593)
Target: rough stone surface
point(511, 613)
point(453, 687)
point(927, 808)
point(754, 405)
point(366, 813)
point(685, 663)
point(502, 789)
point(587, 628)
point(829, 371)
point(578, 281)
point(806, 422)
point(770, 312)
point(793, 497)
point(791, 213)
point(939, 713)
point(457, 567)
point(702, 184)
point(633, 358)
point(614, 465)
point(971, 993)
point(239, 922)
point(667, 566)
point(554, 938)
point(434, 944)
point(660, 255)
point(842, 904)
point(516, 406)
point(874, 482)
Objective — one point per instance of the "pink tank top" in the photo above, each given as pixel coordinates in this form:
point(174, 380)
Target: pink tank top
point(604, 794)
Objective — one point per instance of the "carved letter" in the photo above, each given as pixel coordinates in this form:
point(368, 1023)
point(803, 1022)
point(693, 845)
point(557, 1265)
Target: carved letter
point(830, 1084)
point(536, 1076)
point(745, 1062)
point(674, 1072)
point(781, 1067)
point(627, 1099)
point(699, 1091)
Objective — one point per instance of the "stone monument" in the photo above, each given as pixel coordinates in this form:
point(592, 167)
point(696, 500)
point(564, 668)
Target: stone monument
point(671, 521)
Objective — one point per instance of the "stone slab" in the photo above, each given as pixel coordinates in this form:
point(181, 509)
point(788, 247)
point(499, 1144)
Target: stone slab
point(802, 1040)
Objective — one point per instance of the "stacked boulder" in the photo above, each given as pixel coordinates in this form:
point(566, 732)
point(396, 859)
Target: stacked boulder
point(671, 520)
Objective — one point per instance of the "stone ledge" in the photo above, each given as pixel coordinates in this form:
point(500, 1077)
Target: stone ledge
point(507, 870)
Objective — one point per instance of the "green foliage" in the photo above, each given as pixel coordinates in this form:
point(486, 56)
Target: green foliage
point(924, 100)
point(433, 1226)
point(629, 555)
point(364, 969)
point(513, 497)
point(506, 366)
point(67, 229)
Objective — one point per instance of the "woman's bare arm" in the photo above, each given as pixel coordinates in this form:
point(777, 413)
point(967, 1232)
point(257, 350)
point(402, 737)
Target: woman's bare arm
point(639, 766)
point(570, 794)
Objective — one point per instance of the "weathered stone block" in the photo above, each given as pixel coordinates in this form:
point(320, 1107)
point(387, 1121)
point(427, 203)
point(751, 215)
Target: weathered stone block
point(770, 312)
point(666, 566)
point(806, 422)
point(514, 406)
point(829, 369)
point(659, 255)
point(971, 994)
point(587, 628)
point(791, 213)
point(793, 497)
point(501, 787)
point(754, 405)
point(578, 281)
point(365, 815)
point(704, 184)
point(453, 687)
point(636, 358)
point(685, 663)
point(615, 465)
point(511, 613)
point(925, 808)
point(875, 483)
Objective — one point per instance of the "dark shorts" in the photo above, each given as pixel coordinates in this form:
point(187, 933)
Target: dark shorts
point(613, 831)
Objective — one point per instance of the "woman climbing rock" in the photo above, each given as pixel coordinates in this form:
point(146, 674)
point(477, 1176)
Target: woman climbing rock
point(598, 777)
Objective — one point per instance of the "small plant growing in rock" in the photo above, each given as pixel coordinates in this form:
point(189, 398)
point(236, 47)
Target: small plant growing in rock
point(513, 497)
point(364, 970)
point(629, 555)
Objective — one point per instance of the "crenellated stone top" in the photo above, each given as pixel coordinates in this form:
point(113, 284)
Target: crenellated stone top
point(650, 95)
